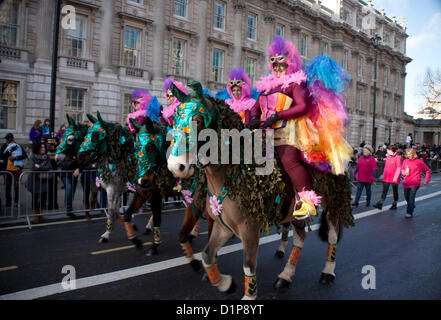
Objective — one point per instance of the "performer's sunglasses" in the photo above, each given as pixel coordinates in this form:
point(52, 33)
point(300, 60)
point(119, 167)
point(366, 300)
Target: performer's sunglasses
point(279, 67)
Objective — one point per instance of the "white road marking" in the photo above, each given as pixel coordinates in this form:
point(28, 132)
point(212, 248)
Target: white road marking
point(105, 278)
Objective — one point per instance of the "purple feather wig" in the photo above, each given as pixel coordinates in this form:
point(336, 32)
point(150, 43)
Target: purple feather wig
point(280, 46)
point(239, 74)
point(140, 114)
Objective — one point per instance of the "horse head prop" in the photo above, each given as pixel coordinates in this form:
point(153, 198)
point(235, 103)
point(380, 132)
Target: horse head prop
point(71, 141)
point(150, 153)
point(194, 114)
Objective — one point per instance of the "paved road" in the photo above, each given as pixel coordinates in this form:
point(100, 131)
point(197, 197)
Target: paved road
point(405, 255)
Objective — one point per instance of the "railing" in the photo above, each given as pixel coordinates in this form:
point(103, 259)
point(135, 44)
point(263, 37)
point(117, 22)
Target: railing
point(54, 194)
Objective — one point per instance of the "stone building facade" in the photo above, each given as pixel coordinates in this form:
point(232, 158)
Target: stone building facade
point(120, 45)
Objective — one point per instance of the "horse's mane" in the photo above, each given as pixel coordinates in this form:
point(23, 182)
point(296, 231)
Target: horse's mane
point(255, 194)
point(118, 153)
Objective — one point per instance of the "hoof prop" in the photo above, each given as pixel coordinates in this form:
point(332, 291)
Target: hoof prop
point(195, 265)
point(281, 284)
point(326, 278)
point(279, 254)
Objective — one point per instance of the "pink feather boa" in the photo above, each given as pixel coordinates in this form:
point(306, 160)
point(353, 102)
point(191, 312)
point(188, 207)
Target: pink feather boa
point(271, 82)
point(241, 105)
point(139, 116)
point(168, 112)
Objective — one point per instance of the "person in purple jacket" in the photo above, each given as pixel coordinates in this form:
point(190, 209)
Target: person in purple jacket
point(365, 174)
point(391, 177)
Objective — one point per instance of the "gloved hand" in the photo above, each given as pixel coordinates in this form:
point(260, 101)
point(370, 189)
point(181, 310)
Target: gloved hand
point(371, 179)
point(254, 123)
point(270, 121)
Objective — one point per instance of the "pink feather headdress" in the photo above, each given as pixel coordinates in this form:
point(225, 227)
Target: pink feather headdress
point(169, 111)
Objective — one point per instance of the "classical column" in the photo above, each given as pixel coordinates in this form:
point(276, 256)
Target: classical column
point(45, 23)
point(106, 34)
point(158, 41)
point(237, 33)
point(201, 51)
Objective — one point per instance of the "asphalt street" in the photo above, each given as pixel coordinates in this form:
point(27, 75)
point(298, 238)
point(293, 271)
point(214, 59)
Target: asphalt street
point(403, 256)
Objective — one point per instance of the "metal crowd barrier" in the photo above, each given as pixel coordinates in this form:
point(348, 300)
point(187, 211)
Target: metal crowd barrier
point(434, 165)
point(7, 211)
point(51, 193)
point(41, 193)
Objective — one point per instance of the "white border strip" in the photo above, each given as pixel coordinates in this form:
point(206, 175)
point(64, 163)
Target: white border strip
point(100, 279)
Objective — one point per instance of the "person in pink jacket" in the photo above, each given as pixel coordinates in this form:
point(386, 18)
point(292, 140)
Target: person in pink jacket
point(391, 177)
point(411, 170)
point(365, 174)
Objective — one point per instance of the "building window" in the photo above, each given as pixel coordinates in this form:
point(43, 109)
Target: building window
point(358, 99)
point(136, 1)
point(396, 108)
point(252, 26)
point(373, 71)
point(385, 76)
point(8, 104)
point(324, 48)
point(219, 15)
point(74, 104)
point(250, 69)
point(304, 45)
point(218, 66)
point(396, 80)
point(181, 8)
point(132, 47)
point(360, 67)
point(361, 134)
point(179, 54)
point(280, 30)
point(76, 39)
point(9, 22)
point(126, 106)
point(344, 60)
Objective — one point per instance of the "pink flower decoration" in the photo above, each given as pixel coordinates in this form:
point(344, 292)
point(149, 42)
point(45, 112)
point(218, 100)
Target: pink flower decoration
point(310, 196)
point(97, 182)
point(187, 196)
point(215, 206)
point(130, 187)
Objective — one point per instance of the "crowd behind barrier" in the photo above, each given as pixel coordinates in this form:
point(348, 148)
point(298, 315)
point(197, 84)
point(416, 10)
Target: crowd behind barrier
point(43, 194)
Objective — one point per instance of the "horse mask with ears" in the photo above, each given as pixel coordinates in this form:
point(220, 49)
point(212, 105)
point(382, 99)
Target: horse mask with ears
point(194, 107)
point(94, 142)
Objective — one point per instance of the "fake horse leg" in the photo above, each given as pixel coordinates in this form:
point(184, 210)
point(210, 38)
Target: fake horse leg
point(299, 235)
point(128, 225)
point(156, 205)
point(283, 241)
point(149, 226)
point(250, 239)
point(190, 219)
point(218, 238)
point(328, 275)
point(194, 233)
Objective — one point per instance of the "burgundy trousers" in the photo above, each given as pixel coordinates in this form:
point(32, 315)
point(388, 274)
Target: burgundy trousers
point(290, 158)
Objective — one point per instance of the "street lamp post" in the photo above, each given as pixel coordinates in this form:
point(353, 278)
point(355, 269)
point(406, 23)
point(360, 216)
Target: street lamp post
point(52, 141)
point(390, 128)
point(375, 41)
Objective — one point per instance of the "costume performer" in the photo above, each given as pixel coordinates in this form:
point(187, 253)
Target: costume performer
point(173, 102)
point(283, 98)
point(240, 90)
point(145, 105)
